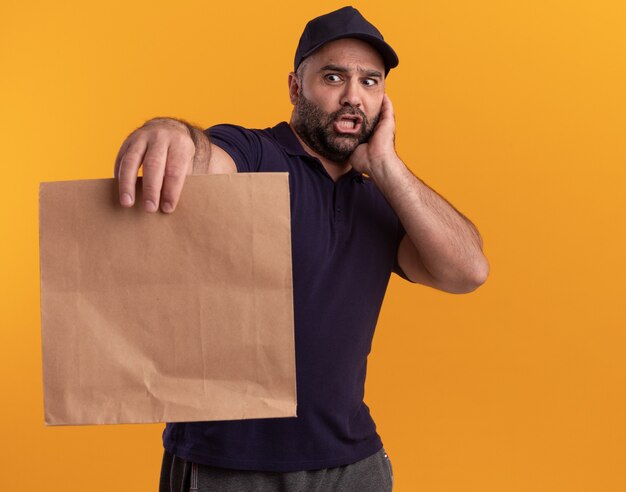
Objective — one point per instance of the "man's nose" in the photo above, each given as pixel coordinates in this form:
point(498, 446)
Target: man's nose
point(352, 94)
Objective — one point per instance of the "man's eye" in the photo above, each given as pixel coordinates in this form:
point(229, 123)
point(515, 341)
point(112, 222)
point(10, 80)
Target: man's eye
point(331, 77)
point(370, 82)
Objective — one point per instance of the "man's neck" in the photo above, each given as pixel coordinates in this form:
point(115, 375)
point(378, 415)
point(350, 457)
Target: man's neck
point(334, 169)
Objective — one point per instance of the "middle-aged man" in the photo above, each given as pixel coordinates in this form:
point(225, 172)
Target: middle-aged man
point(358, 213)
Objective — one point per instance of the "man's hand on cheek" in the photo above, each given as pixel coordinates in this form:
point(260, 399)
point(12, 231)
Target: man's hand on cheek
point(380, 146)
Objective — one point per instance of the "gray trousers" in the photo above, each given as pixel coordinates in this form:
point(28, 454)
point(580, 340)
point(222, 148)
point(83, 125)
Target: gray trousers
point(372, 474)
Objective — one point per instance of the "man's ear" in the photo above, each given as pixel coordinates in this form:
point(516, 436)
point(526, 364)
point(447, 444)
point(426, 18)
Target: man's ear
point(294, 87)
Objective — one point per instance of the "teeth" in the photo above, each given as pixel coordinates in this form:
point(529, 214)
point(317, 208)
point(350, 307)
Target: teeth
point(347, 123)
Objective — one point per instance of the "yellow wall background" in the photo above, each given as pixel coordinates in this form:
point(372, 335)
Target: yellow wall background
point(515, 111)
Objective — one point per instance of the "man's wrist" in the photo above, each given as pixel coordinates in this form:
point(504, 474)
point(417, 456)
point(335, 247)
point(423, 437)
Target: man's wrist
point(203, 150)
point(386, 168)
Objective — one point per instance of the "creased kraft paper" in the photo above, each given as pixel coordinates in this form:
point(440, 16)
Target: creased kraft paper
point(167, 317)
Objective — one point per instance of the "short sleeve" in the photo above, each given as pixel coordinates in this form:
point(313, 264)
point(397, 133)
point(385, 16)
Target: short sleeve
point(242, 144)
point(396, 266)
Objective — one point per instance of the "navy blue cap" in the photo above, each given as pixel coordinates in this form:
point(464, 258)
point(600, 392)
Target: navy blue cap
point(346, 22)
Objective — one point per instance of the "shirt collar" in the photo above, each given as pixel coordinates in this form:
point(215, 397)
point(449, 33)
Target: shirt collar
point(288, 140)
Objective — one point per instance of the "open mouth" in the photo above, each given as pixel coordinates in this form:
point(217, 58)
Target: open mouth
point(348, 123)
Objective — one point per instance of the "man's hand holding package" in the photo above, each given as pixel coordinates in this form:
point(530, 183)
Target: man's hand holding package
point(168, 150)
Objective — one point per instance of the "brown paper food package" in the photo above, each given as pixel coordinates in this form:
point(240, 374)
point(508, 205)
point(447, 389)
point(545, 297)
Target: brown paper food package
point(167, 317)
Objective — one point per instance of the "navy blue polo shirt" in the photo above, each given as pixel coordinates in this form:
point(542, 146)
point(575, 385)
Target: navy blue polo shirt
point(345, 238)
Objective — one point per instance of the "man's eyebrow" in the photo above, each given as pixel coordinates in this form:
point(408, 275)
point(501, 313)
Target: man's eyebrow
point(340, 69)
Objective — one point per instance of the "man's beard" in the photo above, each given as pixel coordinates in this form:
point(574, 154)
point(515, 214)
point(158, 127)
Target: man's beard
point(315, 127)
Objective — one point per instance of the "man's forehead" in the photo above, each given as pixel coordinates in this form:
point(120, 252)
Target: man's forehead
point(351, 53)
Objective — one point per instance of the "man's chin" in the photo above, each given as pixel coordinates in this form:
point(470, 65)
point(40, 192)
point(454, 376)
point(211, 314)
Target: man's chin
point(344, 150)
point(346, 140)
point(337, 152)
point(350, 136)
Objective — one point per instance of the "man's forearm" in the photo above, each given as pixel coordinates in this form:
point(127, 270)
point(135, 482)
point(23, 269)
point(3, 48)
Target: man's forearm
point(448, 244)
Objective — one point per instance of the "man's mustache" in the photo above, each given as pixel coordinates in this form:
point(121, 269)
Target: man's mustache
point(366, 130)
